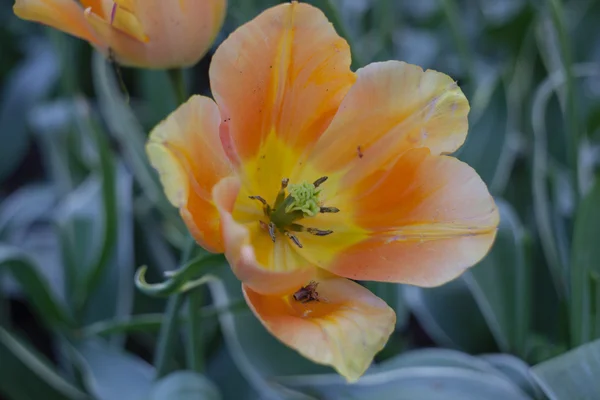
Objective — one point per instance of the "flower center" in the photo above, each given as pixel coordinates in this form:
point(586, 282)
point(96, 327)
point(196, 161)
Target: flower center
point(294, 202)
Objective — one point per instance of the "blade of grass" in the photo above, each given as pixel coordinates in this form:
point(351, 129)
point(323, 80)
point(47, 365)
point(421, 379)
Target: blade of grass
point(106, 167)
point(460, 39)
point(559, 268)
point(571, 124)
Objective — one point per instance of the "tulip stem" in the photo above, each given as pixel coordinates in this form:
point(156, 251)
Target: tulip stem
point(178, 84)
point(195, 339)
point(571, 130)
point(168, 330)
point(166, 337)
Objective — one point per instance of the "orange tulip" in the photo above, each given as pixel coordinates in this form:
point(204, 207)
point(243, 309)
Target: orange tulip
point(140, 33)
point(306, 174)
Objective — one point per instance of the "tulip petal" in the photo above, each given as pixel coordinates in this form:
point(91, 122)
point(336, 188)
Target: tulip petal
point(283, 74)
point(186, 150)
point(430, 218)
point(266, 267)
point(394, 106)
point(100, 7)
point(344, 329)
point(64, 15)
point(178, 32)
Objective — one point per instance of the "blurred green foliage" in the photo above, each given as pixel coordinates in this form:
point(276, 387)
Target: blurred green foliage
point(81, 209)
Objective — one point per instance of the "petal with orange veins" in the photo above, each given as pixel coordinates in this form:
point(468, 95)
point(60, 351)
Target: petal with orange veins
point(345, 328)
point(392, 107)
point(186, 151)
point(266, 267)
point(64, 15)
point(430, 218)
point(284, 73)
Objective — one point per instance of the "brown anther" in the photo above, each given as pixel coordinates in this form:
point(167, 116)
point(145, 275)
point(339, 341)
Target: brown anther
point(263, 201)
point(329, 210)
point(319, 181)
point(271, 228)
point(285, 182)
point(293, 238)
point(318, 232)
point(307, 293)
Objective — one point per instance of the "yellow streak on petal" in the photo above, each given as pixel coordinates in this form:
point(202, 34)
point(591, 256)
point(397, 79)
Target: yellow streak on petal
point(128, 23)
point(129, 5)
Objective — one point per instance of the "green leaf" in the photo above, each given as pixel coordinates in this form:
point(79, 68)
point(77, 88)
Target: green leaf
point(500, 284)
point(433, 374)
point(517, 371)
point(185, 278)
point(435, 358)
point(28, 84)
point(110, 374)
point(489, 148)
point(450, 316)
point(25, 206)
point(100, 264)
point(22, 268)
point(184, 385)
point(26, 375)
point(125, 127)
point(157, 92)
point(226, 375)
point(585, 270)
point(573, 375)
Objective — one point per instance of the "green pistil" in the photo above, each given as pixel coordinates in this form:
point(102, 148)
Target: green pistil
point(293, 203)
point(305, 198)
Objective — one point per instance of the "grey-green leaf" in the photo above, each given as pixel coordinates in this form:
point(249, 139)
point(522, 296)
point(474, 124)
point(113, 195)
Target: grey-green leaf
point(411, 383)
point(27, 85)
point(110, 374)
point(450, 316)
point(500, 284)
point(25, 374)
point(573, 375)
point(585, 270)
point(184, 385)
point(23, 269)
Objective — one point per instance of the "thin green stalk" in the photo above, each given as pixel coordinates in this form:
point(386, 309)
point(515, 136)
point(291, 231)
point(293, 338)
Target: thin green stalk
point(178, 83)
point(451, 14)
point(168, 330)
point(166, 337)
point(195, 343)
point(110, 211)
point(571, 123)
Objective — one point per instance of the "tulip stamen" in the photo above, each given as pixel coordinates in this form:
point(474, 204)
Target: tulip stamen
point(318, 182)
point(294, 202)
point(318, 232)
point(324, 210)
point(293, 238)
point(266, 206)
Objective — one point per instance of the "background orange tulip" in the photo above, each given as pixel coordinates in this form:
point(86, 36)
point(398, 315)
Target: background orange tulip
point(140, 33)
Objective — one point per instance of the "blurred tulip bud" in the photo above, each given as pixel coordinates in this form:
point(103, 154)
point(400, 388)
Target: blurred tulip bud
point(140, 33)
